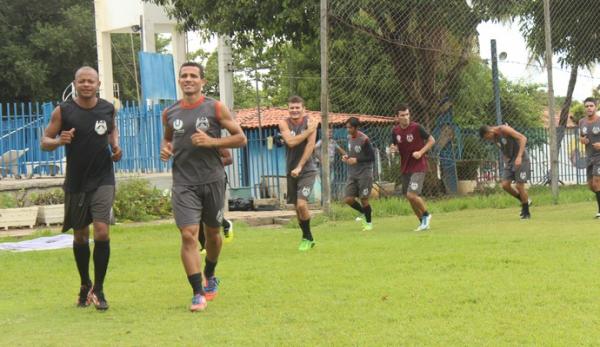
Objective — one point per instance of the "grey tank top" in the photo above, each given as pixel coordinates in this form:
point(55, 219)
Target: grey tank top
point(510, 148)
point(194, 165)
point(293, 155)
point(591, 130)
point(357, 149)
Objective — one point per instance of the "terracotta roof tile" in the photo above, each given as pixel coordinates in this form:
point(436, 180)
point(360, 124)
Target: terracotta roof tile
point(270, 117)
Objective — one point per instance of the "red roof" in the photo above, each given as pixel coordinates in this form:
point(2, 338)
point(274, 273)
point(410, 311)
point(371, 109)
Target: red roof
point(270, 117)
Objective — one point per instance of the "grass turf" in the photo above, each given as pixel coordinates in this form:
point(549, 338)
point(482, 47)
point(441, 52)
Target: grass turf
point(479, 277)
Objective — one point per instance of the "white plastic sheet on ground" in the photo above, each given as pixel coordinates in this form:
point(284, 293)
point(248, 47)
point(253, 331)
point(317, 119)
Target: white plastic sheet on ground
point(39, 244)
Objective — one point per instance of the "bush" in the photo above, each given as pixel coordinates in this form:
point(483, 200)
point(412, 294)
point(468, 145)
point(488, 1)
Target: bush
point(52, 197)
point(136, 200)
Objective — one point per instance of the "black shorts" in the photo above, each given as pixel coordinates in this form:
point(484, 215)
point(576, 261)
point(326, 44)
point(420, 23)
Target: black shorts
point(81, 209)
point(204, 202)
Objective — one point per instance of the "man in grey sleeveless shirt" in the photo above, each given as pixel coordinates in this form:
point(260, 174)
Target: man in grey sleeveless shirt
point(299, 135)
point(192, 136)
point(589, 132)
point(517, 167)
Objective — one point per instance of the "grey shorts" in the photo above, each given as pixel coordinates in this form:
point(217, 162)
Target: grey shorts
point(204, 202)
point(520, 175)
point(359, 187)
point(81, 209)
point(299, 188)
point(593, 169)
point(413, 182)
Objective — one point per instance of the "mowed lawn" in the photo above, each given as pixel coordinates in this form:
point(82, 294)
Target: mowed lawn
point(479, 277)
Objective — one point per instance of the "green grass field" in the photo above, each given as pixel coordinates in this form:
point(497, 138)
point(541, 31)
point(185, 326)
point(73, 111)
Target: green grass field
point(479, 277)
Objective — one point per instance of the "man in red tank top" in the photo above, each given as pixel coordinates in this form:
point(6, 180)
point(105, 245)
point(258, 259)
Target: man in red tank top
point(412, 141)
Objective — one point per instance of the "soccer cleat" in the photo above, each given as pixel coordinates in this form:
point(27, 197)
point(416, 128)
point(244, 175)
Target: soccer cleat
point(83, 300)
point(211, 288)
point(367, 227)
point(306, 245)
point(198, 303)
point(203, 251)
point(98, 299)
point(228, 231)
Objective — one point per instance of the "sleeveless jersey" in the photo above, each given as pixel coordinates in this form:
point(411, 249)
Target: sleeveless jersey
point(89, 163)
point(193, 165)
point(293, 155)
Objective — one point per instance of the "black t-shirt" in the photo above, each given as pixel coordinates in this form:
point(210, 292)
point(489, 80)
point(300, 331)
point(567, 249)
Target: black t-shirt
point(89, 163)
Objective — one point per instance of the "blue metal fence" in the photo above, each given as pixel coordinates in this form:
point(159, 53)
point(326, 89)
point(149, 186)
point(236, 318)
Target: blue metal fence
point(258, 169)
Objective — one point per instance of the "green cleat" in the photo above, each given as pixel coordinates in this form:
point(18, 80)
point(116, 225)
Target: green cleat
point(306, 245)
point(367, 227)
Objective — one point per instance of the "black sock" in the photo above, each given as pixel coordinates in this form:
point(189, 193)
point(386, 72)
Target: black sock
point(101, 256)
point(598, 200)
point(81, 251)
point(209, 268)
point(525, 208)
point(367, 210)
point(305, 226)
point(201, 236)
point(355, 205)
point(196, 283)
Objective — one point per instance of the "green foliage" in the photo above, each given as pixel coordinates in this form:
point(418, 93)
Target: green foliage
point(50, 197)
point(136, 200)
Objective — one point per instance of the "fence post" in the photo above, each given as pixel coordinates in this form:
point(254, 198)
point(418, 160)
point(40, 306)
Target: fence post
point(552, 121)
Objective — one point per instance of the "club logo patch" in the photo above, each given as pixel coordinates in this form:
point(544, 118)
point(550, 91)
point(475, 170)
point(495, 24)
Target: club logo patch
point(596, 130)
point(414, 186)
point(220, 216)
point(101, 127)
point(409, 138)
point(306, 192)
point(178, 124)
point(202, 124)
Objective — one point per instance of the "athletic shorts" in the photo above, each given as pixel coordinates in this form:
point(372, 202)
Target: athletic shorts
point(413, 182)
point(359, 187)
point(593, 169)
point(520, 175)
point(299, 188)
point(81, 209)
point(203, 202)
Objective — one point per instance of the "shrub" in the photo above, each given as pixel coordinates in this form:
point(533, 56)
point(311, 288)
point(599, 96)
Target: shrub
point(136, 200)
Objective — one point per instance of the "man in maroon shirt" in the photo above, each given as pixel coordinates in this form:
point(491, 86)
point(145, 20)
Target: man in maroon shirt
point(412, 141)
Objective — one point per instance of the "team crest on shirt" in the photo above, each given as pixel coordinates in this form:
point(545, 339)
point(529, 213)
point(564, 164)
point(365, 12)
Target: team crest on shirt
point(178, 124)
point(584, 130)
point(220, 216)
point(414, 186)
point(399, 138)
point(100, 127)
point(596, 130)
point(357, 149)
point(306, 192)
point(409, 138)
point(202, 123)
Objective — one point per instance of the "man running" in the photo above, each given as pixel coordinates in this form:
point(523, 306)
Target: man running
point(87, 127)
point(517, 167)
point(412, 141)
point(299, 135)
point(192, 135)
point(359, 158)
point(226, 159)
point(589, 132)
